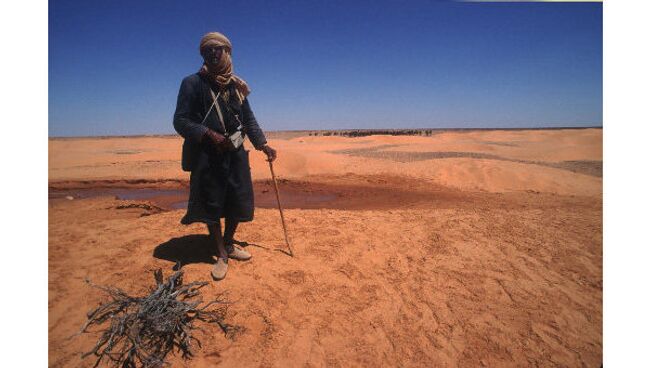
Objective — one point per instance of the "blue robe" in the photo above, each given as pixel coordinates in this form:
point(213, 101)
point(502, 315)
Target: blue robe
point(220, 182)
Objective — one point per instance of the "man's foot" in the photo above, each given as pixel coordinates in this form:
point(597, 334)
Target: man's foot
point(236, 252)
point(220, 268)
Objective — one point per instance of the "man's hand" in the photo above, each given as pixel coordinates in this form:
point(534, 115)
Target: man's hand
point(271, 154)
point(217, 139)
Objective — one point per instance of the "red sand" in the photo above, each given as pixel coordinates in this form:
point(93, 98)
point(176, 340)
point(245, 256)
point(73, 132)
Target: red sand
point(492, 257)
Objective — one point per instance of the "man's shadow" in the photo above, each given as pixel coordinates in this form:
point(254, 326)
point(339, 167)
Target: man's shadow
point(188, 249)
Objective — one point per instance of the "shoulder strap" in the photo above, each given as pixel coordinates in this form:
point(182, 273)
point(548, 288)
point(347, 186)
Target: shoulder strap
point(215, 103)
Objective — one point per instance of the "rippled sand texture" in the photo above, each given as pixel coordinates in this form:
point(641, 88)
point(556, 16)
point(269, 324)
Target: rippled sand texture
point(466, 249)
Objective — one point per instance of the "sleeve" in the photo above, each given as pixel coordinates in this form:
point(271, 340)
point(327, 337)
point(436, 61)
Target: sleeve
point(252, 129)
point(185, 116)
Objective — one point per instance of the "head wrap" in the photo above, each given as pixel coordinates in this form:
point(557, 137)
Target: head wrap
point(222, 73)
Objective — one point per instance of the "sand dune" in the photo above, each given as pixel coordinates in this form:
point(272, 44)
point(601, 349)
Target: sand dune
point(459, 249)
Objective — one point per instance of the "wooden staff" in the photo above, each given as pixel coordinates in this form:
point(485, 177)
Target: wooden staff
point(277, 196)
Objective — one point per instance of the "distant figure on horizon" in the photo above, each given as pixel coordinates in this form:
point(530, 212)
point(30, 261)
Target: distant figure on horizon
point(213, 115)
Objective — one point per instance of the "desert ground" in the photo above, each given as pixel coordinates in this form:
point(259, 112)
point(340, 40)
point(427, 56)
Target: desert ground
point(458, 249)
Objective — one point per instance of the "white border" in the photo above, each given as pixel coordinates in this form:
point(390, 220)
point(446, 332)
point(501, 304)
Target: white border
point(626, 204)
point(24, 42)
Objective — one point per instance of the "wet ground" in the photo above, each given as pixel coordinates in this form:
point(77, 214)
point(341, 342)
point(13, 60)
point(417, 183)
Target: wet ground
point(294, 194)
point(171, 199)
point(349, 192)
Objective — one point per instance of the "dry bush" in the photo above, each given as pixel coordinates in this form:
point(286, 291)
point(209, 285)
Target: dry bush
point(143, 330)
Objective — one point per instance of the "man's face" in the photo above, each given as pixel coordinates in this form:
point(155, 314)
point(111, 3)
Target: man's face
point(212, 54)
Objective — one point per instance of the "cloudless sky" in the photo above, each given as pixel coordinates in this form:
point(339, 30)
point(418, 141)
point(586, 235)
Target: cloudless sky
point(115, 66)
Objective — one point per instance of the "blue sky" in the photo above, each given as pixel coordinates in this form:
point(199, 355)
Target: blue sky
point(115, 66)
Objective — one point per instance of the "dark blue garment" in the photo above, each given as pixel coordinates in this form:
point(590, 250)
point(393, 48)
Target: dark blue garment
point(192, 105)
point(220, 182)
point(220, 187)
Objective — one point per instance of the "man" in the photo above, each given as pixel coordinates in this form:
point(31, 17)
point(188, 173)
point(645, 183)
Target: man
point(211, 111)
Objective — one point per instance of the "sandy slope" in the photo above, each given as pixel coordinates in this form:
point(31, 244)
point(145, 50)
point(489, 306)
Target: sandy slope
point(436, 260)
point(158, 158)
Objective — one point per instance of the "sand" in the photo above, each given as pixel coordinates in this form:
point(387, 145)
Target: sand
point(478, 248)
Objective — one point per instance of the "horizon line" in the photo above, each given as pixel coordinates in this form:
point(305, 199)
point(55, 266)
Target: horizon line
point(329, 130)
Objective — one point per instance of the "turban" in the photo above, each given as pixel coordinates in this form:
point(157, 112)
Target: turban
point(215, 39)
point(222, 73)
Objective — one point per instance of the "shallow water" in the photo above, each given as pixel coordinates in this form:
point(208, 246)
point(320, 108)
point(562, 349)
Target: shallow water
point(172, 199)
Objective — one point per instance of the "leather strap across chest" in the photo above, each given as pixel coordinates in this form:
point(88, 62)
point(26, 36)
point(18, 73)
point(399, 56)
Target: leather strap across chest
point(215, 103)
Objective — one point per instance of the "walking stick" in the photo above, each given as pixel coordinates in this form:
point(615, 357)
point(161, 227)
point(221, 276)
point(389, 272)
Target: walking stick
point(277, 196)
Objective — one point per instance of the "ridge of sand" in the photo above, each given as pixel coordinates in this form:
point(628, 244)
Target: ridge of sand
point(538, 160)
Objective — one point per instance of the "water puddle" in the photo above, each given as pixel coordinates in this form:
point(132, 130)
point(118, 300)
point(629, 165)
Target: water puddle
point(172, 199)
